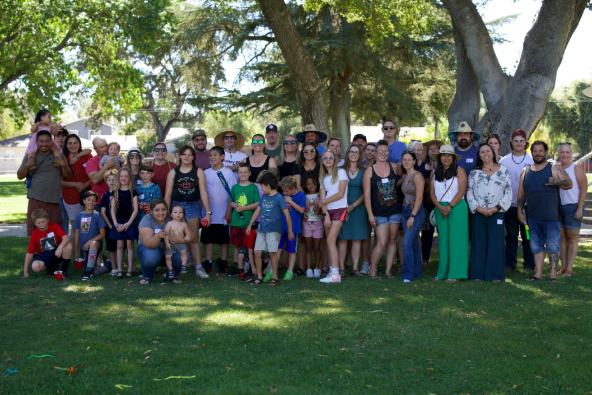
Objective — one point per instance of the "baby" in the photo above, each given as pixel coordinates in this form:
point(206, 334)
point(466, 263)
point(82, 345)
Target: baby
point(112, 152)
point(178, 235)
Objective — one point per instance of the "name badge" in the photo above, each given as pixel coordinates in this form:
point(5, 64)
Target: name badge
point(83, 219)
point(50, 234)
point(385, 180)
point(84, 165)
point(500, 221)
point(142, 196)
point(469, 160)
point(157, 231)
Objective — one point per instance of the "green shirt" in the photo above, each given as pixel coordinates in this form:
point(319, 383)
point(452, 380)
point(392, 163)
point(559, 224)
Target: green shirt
point(244, 196)
point(274, 153)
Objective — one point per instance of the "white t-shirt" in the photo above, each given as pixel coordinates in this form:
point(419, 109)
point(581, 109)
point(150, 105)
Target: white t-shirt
point(219, 198)
point(232, 160)
point(332, 189)
point(341, 163)
point(515, 164)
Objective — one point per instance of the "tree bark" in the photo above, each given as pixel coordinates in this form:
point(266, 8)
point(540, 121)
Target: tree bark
point(339, 104)
point(300, 65)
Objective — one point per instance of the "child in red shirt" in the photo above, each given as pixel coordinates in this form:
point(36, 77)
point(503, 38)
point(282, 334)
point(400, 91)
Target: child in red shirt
point(51, 243)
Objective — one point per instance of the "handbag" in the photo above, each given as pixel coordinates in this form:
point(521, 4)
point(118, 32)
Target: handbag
point(29, 178)
point(433, 213)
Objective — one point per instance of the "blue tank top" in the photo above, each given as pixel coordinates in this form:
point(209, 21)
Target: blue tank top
point(542, 201)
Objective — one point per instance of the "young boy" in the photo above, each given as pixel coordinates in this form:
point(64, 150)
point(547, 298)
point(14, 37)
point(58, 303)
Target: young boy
point(218, 232)
point(110, 244)
point(51, 243)
point(271, 206)
point(147, 191)
point(89, 232)
point(178, 235)
point(112, 152)
point(246, 197)
point(296, 201)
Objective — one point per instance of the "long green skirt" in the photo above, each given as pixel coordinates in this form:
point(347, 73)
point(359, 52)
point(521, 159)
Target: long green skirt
point(453, 239)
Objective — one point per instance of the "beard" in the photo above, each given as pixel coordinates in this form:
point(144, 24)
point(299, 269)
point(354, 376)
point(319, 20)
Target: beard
point(200, 150)
point(539, 160)
point(464, 143)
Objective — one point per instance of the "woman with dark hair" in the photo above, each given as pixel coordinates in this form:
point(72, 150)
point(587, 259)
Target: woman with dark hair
point(448, 187)
point(133, 160)
point(161, 166)
point(186, 185)
point(259, 160)
point(489, 195)
point(412, 185)
point(308, 160)
point(79, 180)
point(496, 143)
point(288, 156)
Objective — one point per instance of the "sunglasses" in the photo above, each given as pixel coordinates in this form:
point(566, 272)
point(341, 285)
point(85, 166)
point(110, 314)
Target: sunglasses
point(382, 152)
point(388, 128)
point(134, 156)
point(229, 137)
point(291, 142)
point(201, 140)
point(328, 158)
point(258, 141)
point(309, 151)
point(160, 149)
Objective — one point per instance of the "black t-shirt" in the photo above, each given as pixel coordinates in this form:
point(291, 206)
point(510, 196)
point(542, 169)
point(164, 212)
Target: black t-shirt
point(297, 170)
point(287, 169)
point(105, 200)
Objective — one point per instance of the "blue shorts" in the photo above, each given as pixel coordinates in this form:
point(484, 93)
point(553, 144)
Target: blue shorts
point(192, 209)
point(391, 219)
point(567, 216)
point(286, 244)
point(49, 259)
point(130, 234)
point(544, 236)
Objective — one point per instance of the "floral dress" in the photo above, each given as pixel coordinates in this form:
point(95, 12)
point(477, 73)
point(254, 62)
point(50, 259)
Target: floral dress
point(489, 191)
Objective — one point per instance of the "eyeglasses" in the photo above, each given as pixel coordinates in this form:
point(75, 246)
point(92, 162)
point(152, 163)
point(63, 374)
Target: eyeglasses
point(328, 158)
point(258, 141)
point(134, 156)
point(309, 151)
point(382, 152)
point(565, 143)
point(229, 137)
point(388, 128)
point(291, 142)
point(354, 153)
point(160, 149)
point(202, 140)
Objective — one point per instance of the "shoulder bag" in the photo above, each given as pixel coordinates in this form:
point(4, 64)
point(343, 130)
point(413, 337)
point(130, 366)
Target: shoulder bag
point(433, 213)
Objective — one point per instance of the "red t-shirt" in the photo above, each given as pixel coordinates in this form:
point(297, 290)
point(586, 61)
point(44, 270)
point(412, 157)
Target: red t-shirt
point(91, 166)
point(160, 174)
point(45, 241)
point(71, 195)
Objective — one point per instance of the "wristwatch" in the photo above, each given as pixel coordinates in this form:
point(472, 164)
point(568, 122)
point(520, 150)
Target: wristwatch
point(498, 207)
point(325, 214)
point(412, 216)
point(208, 212)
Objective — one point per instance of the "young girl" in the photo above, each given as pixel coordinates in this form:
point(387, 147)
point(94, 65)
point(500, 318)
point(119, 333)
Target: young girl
point(313, 224)
point(43, 122)
point(176, 241)
point(333, 203)
point(124, 209)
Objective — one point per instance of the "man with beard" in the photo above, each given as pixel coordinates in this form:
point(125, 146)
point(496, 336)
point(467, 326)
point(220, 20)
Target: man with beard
point(271, 135)
point(202, 155)
point(539, 187)
point(515, 162)
point(396, 148)
point(464, 138)
point(312, 135)
point(232, 142)
point(361, 141)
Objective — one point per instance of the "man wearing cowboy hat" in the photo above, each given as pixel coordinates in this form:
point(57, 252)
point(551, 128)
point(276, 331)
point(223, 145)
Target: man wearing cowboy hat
point(232, 142)
point(464, 137)
point(202, 154)
point(310, 134)
point(272, 135)
point(396, 148)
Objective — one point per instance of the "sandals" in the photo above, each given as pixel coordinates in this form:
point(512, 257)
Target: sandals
point(534, 278)
point(131, 274)
point(424, 264)
point(561, 272)
point(144, 281)
point(299, 272)
point(390, 277)
point(120, 274)
point(452, 280)
point(553, 280)
point(566, 273)
point(257, 281)
point(342, 273)
point(356, 273)
point(273, 282)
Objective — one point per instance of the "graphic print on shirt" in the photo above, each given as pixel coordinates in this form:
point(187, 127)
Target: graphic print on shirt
point(85, 224)
point(242, 200)
point(48, 243)
point(186, 186)
point(265, 210)
point(386, 195)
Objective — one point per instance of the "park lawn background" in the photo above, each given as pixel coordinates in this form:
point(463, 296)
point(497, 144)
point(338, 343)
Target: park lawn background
point(13, 201)
point(302, 337)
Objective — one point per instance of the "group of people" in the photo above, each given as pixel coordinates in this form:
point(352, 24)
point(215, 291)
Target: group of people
point(291, 201)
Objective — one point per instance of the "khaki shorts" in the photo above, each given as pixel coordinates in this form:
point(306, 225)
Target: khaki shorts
point(267, 241)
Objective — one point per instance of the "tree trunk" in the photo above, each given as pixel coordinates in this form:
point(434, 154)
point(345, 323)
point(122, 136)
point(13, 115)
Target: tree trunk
point(517, 102)
point(339, 103)
point(306, 81)
point(437, 131)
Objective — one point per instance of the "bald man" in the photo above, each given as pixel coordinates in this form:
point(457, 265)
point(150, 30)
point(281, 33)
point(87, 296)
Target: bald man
point(95, 173)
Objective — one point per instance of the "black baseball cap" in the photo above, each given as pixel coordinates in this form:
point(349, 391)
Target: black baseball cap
point(360, 136)
point(271, 127)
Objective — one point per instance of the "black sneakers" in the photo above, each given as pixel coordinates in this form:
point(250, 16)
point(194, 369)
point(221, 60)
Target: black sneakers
point(207, 265)
point(234, 272)
point(244, 277)
point(87, 276)
point(222, 267)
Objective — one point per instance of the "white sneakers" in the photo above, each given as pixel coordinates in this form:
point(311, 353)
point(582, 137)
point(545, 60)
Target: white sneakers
point(365, 268)
point(332, 277)
point(247, 267)
point(201, 273)
point(309, 273)
point(317, 273)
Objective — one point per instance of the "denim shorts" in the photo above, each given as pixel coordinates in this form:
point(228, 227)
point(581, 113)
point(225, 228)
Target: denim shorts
point(567, 216)
point(544, 236)
point(391, 219)
point(192, 209)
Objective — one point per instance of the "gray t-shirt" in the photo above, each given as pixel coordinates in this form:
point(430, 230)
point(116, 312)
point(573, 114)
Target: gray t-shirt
point(45, 185)
point(118, 159)
point(149, 222)
point(274, 153)
point(271, 213)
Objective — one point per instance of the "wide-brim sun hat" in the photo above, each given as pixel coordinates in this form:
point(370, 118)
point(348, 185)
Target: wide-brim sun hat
point(463, 127)
point(427, 145)
point(446, 149)
point(311, 129)
point(132, 150)
point(239, 139)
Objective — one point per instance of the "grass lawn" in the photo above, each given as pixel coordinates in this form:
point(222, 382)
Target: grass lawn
point(302, 337)
point(13, 201)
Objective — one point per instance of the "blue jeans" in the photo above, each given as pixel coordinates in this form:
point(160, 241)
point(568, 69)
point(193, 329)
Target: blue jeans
point(411, 250)
point(65, 222)
point(544, 236)
point(152, 258)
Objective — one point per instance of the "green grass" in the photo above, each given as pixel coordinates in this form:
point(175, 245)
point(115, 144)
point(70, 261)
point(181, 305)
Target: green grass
point(302, 337)
point(13, 201)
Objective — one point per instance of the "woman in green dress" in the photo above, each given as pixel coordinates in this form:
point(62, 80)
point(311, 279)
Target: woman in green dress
point(355, 228)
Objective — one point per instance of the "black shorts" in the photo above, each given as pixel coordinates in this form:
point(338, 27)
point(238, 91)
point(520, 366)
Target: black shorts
point(49, 259)
point(110, 244)
point(215, 234)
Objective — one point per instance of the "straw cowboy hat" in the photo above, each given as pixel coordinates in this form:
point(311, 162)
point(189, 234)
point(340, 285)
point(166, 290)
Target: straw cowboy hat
point(240, 140)
point(463, 127)
point(308, 129)
point(427, 145)
point(446, 149)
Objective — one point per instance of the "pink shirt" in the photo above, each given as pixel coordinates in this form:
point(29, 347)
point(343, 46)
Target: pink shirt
point(91, 166)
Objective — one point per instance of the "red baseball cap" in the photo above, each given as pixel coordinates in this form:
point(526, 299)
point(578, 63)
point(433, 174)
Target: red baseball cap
point(519, 132)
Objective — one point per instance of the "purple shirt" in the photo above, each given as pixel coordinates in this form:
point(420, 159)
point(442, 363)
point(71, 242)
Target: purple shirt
point(202, 159)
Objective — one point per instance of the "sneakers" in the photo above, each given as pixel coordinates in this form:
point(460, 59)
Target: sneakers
point(87, 276)
point(113, 272)
point(234, 272)
point(331, 278)
point(365, 268)
point(183, 269)
point(406, 281)
point(222, 267)
point(289, 276)
point(309, 273)
point(200, 272)
point(207, 265)
point(244, 277)
point(317, 273)
point(268, 276)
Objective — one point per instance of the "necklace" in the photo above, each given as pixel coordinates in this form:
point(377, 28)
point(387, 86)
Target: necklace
point(523, 157)
point(353, 172)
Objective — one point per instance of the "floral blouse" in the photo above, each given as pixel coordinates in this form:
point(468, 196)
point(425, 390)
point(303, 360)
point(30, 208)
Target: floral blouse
point(489, 191)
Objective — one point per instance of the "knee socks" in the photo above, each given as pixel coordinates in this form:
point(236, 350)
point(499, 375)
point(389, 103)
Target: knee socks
point(65, 264)
point(92, 257)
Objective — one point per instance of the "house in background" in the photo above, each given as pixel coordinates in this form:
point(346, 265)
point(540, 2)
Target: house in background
point(12, 151)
